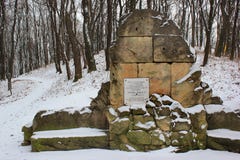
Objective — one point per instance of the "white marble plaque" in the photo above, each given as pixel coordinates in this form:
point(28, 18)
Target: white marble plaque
point(136, 90)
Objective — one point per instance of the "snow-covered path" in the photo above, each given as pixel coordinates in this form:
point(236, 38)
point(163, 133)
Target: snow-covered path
point(44, 89)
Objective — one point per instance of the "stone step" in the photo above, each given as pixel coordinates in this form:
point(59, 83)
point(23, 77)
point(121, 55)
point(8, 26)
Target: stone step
point(224, 139)
point(69, 139)
point(219, 117)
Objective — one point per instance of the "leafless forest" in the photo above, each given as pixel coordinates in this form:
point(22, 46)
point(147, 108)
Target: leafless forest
point(35, 33)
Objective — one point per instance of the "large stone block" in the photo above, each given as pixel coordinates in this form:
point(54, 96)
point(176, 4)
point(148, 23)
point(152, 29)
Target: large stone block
point(132, 49)
point(117, 75)
point(176, 51)
point(159, 75)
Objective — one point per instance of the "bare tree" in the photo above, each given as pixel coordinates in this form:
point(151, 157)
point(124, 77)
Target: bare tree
point(86, 5)
point(74, 45)
point(2, 39)
point(235, 32)
point(11, 58)
point(208, 18)
point(109, 33)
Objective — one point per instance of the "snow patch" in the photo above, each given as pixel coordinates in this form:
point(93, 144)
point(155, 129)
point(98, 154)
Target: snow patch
point(124, 109)
point(66, 133)
point(195, 109)
point(224, 133)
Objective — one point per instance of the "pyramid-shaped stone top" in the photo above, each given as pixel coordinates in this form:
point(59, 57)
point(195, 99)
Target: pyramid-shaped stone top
point(146, 37)
point(147, 23)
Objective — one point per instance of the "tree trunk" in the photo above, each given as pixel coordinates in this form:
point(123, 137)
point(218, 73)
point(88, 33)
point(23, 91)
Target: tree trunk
point(11, 59)
point(234, 32)
point(207, 49)
point(149, 4)
point(87, 39)
point(109, 33)
point(208, 28)
point(2, 40)
point(75, 48)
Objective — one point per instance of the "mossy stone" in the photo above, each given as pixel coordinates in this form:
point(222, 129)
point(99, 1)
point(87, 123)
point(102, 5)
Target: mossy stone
point(119, 126)
point(71, 143)
point(28, 131)
point(139, 137)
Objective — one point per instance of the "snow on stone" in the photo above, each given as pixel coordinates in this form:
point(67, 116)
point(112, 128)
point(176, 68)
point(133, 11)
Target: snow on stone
point(203, 126)
point(76, 132)
point(150, 103)
point(198, 88)
point(183, 132)
point(113, 112)
point(120, 120)
point(124, 109)
point(195, 109)
point(166, 98)
point(85, 110)
point(162, 138)
point(157, 17)
point(195, 67)
point(138, 106)
point(230, 107)
point(28, 125)
point(130, 148)
point(224, 133)
point(181, 120)
point(48, 112)
point(160, 117)
point(146, 125)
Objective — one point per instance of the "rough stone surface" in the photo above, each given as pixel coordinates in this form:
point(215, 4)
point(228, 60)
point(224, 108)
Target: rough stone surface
point(164, 123)
point(139, 137)
point(224, 120)
point(63, 119)
point(159, 76)
point(71, 143)
point(28, 131)
point(119, 126)
point(146, 23)
point(132, 49)
point(118, 73)
point(176, 51)
point(183, 89)
point(223, 144)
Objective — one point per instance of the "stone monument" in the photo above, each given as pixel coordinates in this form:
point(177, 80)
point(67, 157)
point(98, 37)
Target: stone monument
point(150, 52)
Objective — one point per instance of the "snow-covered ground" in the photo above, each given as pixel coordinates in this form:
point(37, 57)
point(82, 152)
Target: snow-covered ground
point(44, 89)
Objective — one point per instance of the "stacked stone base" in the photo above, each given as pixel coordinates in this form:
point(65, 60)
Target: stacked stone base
point(160, 123)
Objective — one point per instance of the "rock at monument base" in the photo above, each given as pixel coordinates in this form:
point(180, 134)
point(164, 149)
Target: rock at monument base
point(28, 131)
point(139, 137)
point(144, 131)
point(69, 140)
point(229, 120)
point(119, 126)
point(223, 144)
